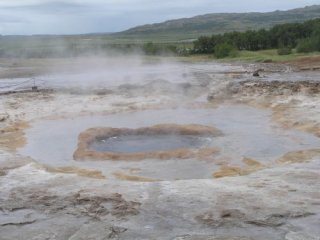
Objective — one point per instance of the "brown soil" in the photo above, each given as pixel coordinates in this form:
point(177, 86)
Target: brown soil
point(275, 87)
point(83, 151)
point(75, 170)
point(13, 137)
point(229, 171)
point(207, 154)
point(252, 162)
point(306, 63)
point(281, 114)
point(122, 176)
point(232, 171)
point(299, 156)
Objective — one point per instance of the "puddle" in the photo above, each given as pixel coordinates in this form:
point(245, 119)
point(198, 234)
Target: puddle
point(248, 132)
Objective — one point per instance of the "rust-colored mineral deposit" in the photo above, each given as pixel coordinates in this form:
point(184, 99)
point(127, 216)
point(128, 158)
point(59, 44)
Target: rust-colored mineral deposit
point(84, 152)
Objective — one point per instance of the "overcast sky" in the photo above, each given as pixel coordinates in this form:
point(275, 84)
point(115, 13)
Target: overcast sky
point(89, 16)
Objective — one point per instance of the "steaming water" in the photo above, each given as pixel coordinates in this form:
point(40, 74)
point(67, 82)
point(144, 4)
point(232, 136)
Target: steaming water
point(99, 74)
point(147, 143)
point(248, 133)
point(134, 73)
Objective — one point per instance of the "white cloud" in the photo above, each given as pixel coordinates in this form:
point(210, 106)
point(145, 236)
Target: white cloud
point(81, 16)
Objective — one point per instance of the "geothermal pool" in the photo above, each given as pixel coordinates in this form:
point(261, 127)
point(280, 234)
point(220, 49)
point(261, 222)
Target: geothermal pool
point(247, 133)
point(145, 143)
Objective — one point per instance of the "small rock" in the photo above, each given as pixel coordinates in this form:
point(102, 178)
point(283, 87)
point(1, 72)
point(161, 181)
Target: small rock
point(2, 173)
point(257, 72)
point(3, 117)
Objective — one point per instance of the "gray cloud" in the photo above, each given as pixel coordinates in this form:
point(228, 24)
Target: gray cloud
point(49, 7)
point(84, 16)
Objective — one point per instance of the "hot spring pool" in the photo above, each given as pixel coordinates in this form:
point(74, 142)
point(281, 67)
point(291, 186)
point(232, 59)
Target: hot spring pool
point(147, 143)
point(248, 132)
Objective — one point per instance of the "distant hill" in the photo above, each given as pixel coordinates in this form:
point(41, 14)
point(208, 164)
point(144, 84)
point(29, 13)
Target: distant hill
point(208, 24)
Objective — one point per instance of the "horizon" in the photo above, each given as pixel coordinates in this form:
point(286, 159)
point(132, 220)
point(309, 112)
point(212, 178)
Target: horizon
point(79, 17)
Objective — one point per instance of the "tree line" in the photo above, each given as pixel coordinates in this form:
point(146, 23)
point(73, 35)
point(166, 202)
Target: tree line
point(303, 36)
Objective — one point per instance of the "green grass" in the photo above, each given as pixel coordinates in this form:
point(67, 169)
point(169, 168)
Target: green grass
point(58, 44)
point(248, 56)
point(265, 55)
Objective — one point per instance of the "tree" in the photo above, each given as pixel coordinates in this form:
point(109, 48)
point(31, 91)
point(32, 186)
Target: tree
point(204, 45)
point(285, 36)
point(224, 50)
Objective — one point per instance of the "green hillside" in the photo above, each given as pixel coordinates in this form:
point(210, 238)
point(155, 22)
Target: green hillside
point(188, 28)
point(175, 33)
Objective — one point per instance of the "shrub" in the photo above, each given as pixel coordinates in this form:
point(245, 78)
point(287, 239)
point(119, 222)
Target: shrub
point(309, 45)
point(284, 51)
point(159, 49)
point(225, 50)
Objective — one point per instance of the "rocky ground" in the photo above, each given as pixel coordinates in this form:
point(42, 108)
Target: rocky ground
point(281, 201)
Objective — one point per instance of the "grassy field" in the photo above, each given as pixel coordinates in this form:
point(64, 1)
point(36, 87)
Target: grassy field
point(69, 46)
